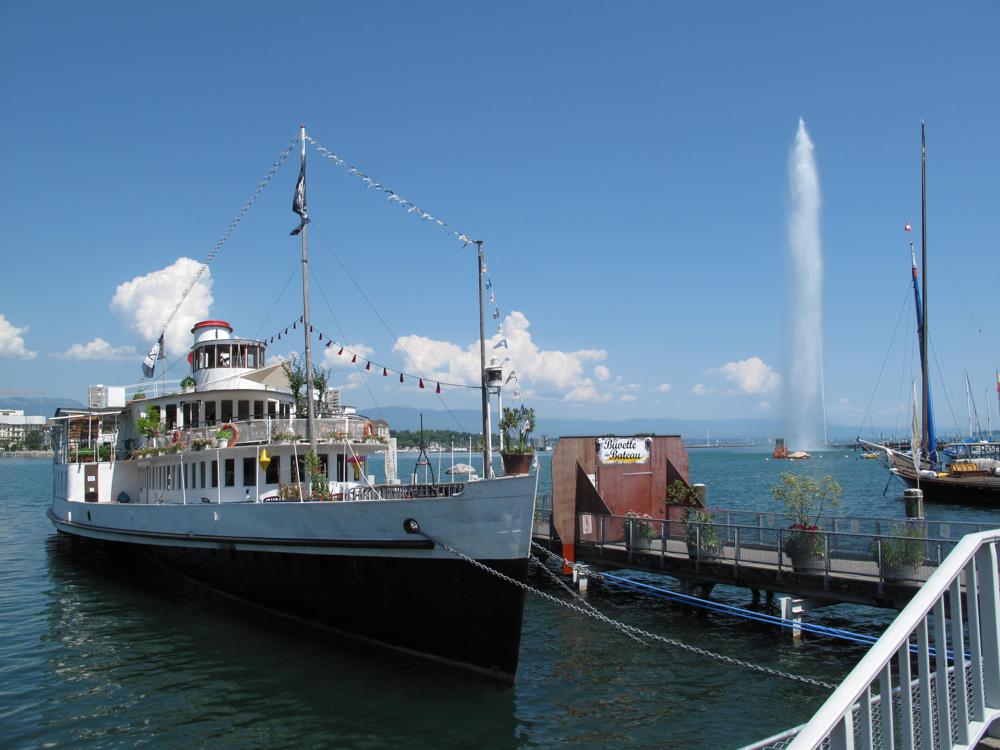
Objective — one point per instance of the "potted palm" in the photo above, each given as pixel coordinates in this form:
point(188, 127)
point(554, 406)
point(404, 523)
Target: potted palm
point(517, 426)
point(804, 499)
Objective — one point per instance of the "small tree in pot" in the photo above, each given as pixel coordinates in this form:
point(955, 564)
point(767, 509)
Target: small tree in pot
point(804, 499)
point(700, 532)
point(517, 426)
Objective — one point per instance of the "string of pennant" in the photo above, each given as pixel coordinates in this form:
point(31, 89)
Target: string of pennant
point(391, 195)
point(412, 208)
point(370, 365)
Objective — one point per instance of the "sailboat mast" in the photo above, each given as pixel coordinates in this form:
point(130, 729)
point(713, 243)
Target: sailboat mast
point(487, 437)
point(925, 372)
point(304, 234)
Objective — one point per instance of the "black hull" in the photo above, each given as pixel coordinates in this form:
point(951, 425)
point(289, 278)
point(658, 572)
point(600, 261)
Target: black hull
point(956, 490)
point(444, 610)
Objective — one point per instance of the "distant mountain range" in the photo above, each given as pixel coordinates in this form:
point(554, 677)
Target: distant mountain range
point(44, 406)
point(694, 430)
point(470, 420)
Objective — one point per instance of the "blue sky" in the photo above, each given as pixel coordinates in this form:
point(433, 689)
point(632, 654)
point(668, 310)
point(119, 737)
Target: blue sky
point(626, 164)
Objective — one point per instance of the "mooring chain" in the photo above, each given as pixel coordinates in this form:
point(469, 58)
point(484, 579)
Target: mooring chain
point(583, 602)
point(634, 631)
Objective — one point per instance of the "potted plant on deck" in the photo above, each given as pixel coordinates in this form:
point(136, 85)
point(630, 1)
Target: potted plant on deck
point(638, 530)
point(517, 426)
point(903, 553)
point(222, 438)
point(804, 499)
point(700, 531)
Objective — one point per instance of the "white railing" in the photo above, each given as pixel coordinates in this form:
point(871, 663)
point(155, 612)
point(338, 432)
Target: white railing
point(928, 712)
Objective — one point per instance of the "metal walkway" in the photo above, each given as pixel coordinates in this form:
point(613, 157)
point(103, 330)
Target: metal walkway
point(860, 568)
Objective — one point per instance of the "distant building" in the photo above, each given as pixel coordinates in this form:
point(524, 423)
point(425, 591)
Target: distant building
point(14, 425)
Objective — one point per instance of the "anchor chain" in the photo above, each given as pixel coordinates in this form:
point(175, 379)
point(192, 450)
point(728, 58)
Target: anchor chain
point(630, 630)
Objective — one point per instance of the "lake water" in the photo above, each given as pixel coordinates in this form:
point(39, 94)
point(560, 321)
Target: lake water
point(99, 651)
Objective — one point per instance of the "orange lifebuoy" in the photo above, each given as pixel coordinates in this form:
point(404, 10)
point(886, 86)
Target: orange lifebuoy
point(369, 430)
point(175, 437)
point(234, 431)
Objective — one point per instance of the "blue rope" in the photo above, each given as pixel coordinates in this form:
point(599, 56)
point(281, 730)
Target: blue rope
point(638, 586)
point(846, 635)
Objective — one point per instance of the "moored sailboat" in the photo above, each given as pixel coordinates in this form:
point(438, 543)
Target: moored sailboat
point(953, 474)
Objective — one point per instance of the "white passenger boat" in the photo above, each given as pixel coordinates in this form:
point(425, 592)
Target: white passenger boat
point(231, 483)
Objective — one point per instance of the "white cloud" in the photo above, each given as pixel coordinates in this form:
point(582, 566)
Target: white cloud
point(602, 373)
point(333, 359)
point(12, 340)
point(664, 387)
point(628, 397)
point(699, 390)
point(98, 349)
point(144, 303)
point(548, 373)
point(751, 376)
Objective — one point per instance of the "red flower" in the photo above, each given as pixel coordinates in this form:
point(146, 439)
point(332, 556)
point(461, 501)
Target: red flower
point(804, 527)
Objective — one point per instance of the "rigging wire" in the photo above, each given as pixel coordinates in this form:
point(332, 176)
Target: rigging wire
point(387, 327)
point(230, 229)
point(277, 300)
point(990, 345)
point(336, 322)
point(885, 360)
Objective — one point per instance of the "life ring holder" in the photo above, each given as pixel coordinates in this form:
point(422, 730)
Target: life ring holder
point(234, 432)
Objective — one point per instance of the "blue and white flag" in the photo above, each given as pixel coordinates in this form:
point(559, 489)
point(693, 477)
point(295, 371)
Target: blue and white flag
point(149, 363)
point(501, 342)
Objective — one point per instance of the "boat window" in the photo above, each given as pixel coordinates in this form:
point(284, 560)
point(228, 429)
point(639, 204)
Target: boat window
point(215, 473)
point(230, 472)
point(272, 409)
point(274, 471)
point(226, 409)
point(239, 355)
point(341, 476)
point(285, 410)
point(249, 471)
point(258, 409)
point(252, 357)
point(186, 476)
point(324, 464)
point(209, 412)
point(223, 356)
point(194, 415)
point(202, 475)
point(243, 410)
point(171, 416)
point(210, 356)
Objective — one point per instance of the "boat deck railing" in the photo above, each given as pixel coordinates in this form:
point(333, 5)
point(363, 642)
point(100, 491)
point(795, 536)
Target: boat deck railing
point(950, 628)
point(405, 491)
point(348, 427)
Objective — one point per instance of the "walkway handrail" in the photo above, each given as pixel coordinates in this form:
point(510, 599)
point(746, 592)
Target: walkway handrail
point(970, 706)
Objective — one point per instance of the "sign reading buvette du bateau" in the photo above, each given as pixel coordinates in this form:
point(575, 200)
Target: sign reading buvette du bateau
point(619, 450)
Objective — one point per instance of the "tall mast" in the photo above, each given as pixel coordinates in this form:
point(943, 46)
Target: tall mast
point(487, 437)
point(310, 415)
point(925, 372)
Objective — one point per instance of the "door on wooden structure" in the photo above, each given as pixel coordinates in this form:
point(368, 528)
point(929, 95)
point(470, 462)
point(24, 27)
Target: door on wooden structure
point(90, 483)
